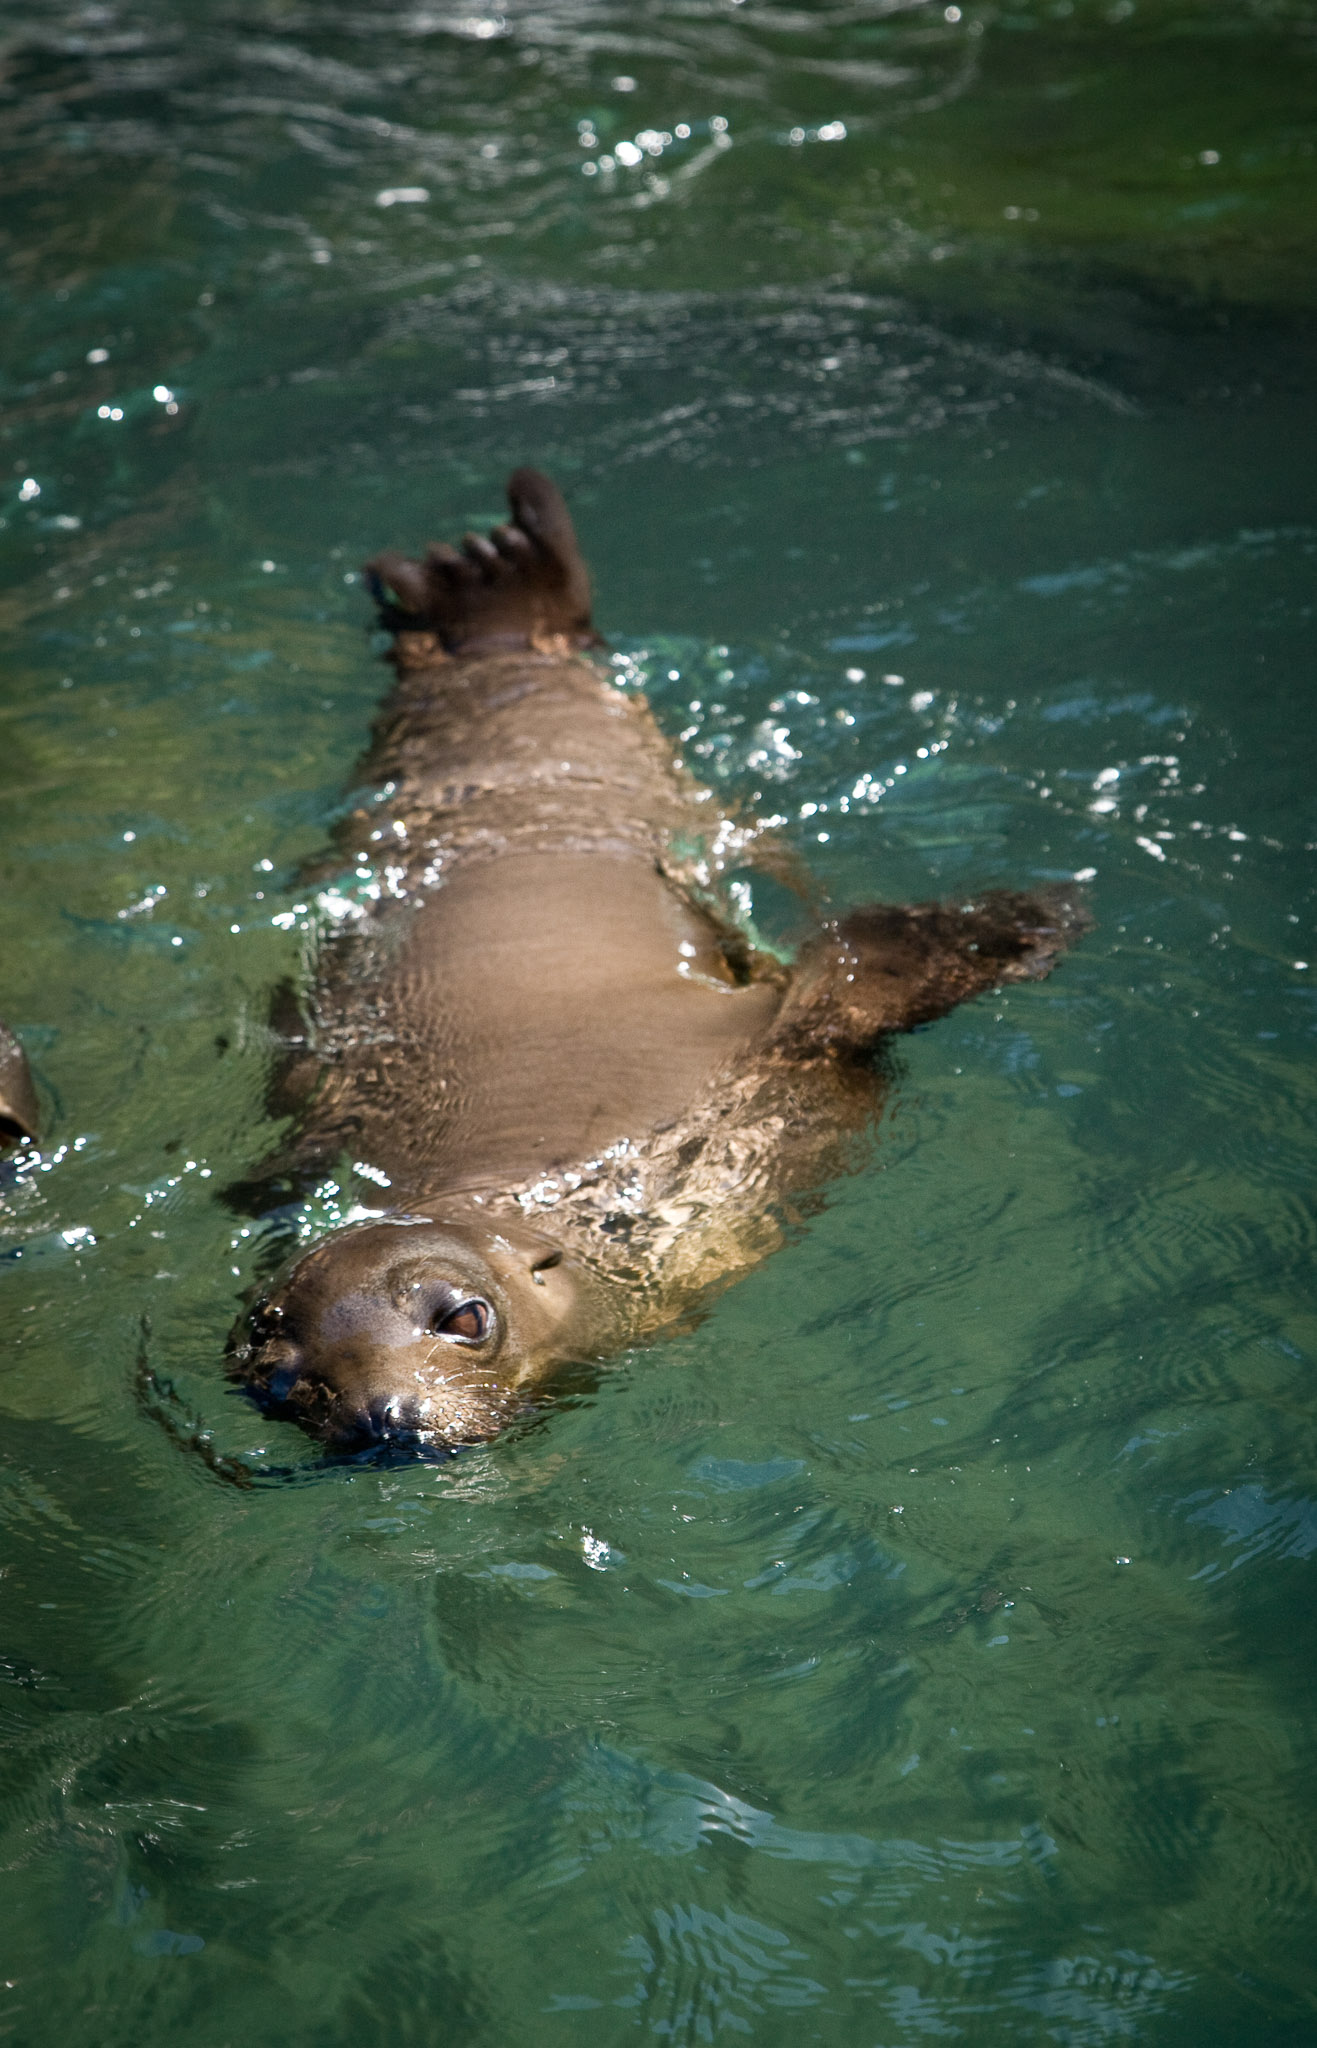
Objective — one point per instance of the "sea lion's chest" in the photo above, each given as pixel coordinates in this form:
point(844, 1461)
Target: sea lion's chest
point(539, 1009)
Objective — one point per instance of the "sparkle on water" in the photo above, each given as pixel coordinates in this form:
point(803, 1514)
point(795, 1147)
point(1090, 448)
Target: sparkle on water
point(933, 388)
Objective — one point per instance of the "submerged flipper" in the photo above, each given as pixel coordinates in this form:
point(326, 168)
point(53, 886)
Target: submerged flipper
point(525, 585)
point(888, 968)
point(18, 1097)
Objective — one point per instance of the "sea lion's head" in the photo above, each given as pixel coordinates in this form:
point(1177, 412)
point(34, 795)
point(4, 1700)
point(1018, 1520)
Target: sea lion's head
point(414, 1331)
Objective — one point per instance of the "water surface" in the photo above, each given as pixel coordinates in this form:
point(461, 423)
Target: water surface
point(938, 417)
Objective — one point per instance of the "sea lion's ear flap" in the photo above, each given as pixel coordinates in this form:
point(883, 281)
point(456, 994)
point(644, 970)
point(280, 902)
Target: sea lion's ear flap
point(19, 1114)
point(519, 1246)
point(890, 968)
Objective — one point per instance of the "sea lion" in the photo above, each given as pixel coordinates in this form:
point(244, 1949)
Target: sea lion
point(587, 1093)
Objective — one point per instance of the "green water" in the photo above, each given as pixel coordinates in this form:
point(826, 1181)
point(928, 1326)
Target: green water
point(1007, 1465)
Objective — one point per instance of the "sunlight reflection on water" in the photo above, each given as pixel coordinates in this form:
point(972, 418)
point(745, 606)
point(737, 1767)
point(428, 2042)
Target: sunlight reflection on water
point(918, 1645)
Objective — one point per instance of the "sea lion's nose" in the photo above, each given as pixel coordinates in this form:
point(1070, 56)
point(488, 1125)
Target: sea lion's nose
point(388, 1418)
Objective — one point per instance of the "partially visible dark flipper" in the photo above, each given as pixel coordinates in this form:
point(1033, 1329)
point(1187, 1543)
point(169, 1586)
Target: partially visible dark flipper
point(19, 1114)
point(288, 1174)
point(888, 968)
point(525, 586)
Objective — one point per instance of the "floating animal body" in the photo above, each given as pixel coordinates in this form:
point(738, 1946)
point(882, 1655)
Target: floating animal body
point(591, 1097)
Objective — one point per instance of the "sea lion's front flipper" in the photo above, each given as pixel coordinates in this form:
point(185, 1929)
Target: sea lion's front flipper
point(18, 1097)
point(525, 585)
point(887, 968)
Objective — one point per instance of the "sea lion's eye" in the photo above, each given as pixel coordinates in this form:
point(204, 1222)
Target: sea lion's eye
point(470, 1322)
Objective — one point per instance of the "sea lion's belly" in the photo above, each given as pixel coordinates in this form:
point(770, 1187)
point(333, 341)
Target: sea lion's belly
point(541, 1008)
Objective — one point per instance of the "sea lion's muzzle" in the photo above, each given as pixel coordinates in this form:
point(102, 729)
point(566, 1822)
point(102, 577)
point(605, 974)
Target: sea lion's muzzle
point(375, 1369)
point(437, 1410)
point(405, 1422)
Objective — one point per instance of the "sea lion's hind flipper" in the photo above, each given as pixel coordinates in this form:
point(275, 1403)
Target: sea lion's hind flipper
point(888, 968)
point(395, 572)
point(540, 516)
point(18, 1097)
point(525, 584)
